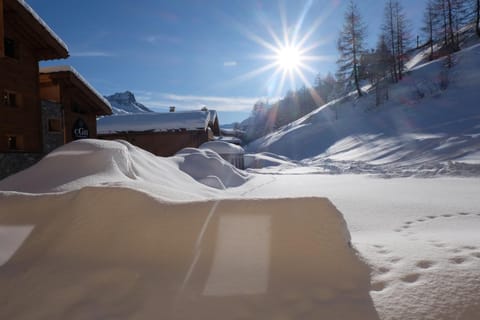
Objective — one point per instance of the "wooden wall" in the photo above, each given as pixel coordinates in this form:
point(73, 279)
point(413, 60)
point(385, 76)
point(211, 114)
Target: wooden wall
point(74, 103)
point(163, 144)
point(20, 75)
point(2, 35)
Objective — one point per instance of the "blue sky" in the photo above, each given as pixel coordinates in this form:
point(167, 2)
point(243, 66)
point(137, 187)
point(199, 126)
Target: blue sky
point(201, 52)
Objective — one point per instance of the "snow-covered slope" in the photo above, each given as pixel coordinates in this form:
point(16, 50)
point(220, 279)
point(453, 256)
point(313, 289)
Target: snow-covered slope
point(125, 103)
point(422, 124)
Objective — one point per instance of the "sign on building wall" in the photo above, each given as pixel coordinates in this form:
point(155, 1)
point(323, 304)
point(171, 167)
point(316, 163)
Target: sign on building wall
point(80, 130)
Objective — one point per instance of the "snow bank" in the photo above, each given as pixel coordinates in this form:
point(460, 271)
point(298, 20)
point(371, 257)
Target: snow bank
point(89, 162)
point(222, 147)
point(206, 166)
point(266, 159)
point(116, 253)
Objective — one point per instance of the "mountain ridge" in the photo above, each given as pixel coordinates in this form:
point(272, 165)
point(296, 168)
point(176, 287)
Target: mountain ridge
point(125, 103)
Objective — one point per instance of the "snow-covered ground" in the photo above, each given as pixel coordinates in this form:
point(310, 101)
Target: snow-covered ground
point(103, 229)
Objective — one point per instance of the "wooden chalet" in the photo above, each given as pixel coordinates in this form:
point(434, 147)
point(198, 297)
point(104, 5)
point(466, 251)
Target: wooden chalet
point(162, 134)
point(25, 40)
point(70, 106)
point(39, 109)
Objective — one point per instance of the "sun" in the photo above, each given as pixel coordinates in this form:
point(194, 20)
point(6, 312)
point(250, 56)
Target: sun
point(289, 58)
point(289, 50)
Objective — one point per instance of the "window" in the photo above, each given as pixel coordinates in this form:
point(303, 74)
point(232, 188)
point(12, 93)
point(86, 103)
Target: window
point(54, 125)
point(15, 142)
point(10, 99)
point(10, 48)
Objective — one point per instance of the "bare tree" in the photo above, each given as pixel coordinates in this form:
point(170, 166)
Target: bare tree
point(397, 35)
point(389, 31)
point(350, 44)
point(428, 25)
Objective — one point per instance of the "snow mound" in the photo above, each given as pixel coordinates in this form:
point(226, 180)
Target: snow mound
point(222, 147)
point(100, 253)
point(206, 166)
point(90, 162)
point(266, 159)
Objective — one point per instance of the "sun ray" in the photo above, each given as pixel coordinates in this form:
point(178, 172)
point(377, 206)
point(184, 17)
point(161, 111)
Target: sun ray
point(289, 52)
point(256, 72)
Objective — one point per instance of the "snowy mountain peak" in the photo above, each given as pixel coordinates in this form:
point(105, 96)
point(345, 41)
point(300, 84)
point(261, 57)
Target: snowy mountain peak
point(125, 102)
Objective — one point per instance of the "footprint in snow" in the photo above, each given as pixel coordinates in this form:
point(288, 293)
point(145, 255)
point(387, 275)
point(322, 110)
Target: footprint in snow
point(410, 278)
point(475, 254)
point(457, 260)
point(378, 286)
point(425, 264)
point(409, 223)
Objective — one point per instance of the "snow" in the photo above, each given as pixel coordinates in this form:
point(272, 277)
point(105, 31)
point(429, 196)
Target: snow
point(222, 147)
point(55, 69)
point(208, 167)
point(423, 130)
point(125, 103)
point(102, 163)
point(153, 121)
point(103, 253)
point(103, 229)
point(42, 23)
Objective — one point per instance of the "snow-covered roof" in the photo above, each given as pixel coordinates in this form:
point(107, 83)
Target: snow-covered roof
point(222, 147)
point(70, 69)
point(157, 122)
point(59, 42)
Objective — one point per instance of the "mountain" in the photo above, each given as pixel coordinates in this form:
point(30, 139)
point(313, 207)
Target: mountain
point(429, 125)
point(125, 103)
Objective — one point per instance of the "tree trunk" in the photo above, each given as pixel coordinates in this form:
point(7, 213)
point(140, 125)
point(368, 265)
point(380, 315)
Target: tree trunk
point(450, 25)
point(392, 36)
point(477, 25)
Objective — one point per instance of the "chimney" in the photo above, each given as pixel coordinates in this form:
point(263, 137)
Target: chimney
point(172, 108)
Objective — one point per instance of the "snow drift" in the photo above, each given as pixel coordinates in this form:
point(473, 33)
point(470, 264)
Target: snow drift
point(209, 168)
point(117, 253)
point(86, 163)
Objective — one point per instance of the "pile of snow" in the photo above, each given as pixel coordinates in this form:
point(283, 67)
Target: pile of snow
point(122, 254)
point(87, 163)
point(125, 103)
point(421, 125)
point(266, 159)
point(222, 147)
point(208, 167)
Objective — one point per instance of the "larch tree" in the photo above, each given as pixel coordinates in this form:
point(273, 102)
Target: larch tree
point(396, 36)
point(350, 44)
point(428, 25)
point(389, 31)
